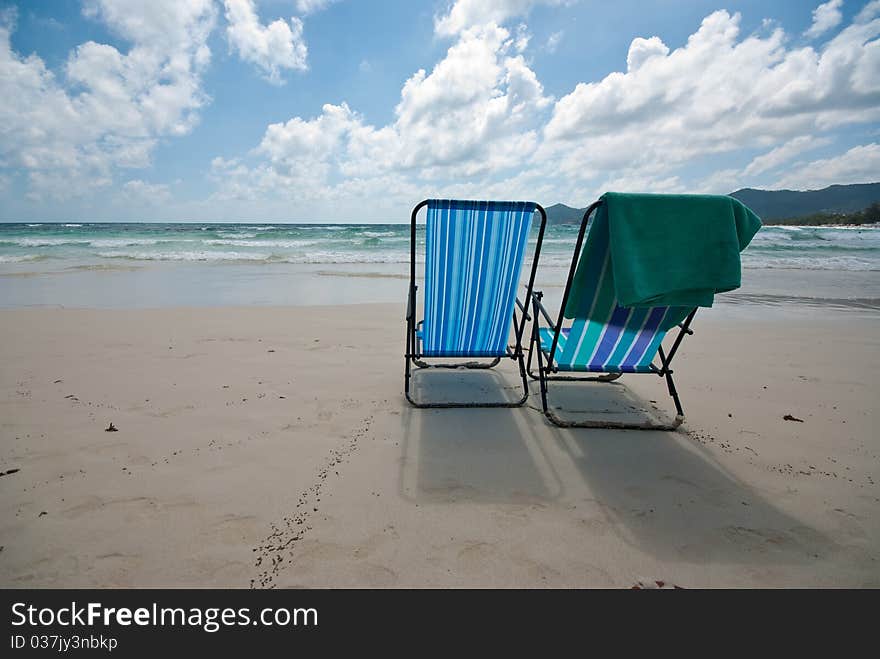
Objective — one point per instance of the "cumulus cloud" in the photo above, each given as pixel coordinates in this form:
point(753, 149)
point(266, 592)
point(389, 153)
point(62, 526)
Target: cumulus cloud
point(825, 17)
point(464, 14)
point(641, 50)
point(783, 154)
point(476, 111)
point(859, 164)
point(110, 107)
point(716, 94)
point(480, 124)
point(271, 48)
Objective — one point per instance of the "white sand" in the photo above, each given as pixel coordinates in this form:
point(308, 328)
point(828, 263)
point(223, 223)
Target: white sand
point(273, 446)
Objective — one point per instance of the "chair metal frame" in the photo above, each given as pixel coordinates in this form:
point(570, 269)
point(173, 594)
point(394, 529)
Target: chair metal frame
point(414, 354)
point(664, 370)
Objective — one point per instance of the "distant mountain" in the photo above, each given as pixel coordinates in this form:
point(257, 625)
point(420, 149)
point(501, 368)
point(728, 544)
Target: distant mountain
point(562, 214)
point(773, 205)
point(780, 204)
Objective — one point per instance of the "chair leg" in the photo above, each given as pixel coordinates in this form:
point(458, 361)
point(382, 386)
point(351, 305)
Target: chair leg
point(666, 360)
point(522, 375)
point(670, 385)
point(406, 357)
point(541, 380)
point(531, 352)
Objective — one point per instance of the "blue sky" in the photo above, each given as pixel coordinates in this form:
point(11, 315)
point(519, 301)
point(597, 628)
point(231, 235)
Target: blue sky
point(345, 110)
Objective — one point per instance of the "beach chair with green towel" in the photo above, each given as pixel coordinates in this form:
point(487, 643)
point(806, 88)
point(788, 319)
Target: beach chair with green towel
point(648, 262)
point(474, 251)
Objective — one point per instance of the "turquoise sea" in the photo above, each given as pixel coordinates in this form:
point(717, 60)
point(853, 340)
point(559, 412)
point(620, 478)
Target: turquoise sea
point(161, 264)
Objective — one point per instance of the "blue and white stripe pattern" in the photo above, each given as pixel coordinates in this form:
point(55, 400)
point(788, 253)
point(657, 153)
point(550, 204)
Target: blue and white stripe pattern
point(605, 337)
point(474, 256)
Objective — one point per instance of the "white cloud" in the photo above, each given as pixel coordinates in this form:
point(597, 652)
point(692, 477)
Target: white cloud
point(858, 165)
point(641, 50)
point(716, 94)
point(553, 41)
point(521, 42)
point(476, 106)
point(868, 12)
point(304, 150)
point(782, 154)
point(143, 193)
point(272, 48)
point(723, 181)
point(306, 7)
point(480, 124)
point(475, 112)
point(825, 17)
point(464, 14)
point(109, 108)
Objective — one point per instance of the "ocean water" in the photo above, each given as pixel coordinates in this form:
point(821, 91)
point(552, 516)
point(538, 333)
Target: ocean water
point(138, 264)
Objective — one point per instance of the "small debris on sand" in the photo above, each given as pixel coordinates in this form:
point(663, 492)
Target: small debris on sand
point(789, 417)
point(111, 428)
point(653, 584)
point(42, 513)
point(9, 471)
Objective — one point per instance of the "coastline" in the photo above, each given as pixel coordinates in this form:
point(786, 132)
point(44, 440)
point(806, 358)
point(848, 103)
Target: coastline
point(271, 446)
point(161, 285)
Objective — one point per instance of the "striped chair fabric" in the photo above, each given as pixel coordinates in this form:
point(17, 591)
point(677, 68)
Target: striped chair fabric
point(474, 256)
point(605, 337)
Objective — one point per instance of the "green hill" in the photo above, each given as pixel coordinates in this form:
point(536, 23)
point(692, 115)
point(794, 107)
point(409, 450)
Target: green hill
point(562, 214)
point(819, 206)
point(779, 204)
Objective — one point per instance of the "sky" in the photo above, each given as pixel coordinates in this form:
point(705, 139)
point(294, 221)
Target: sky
point(355, 110)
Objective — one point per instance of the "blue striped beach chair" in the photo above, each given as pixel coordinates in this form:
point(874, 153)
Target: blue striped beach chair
point(603, 338)
point(474, 251)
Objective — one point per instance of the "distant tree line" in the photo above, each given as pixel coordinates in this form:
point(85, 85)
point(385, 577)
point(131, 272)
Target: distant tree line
point(871, 215)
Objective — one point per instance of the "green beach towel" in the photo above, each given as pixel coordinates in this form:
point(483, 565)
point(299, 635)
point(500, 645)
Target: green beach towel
point(671, 250)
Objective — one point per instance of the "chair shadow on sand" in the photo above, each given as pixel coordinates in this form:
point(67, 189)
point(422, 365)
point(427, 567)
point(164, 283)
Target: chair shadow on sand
point(485, 455)
point(659, 491)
